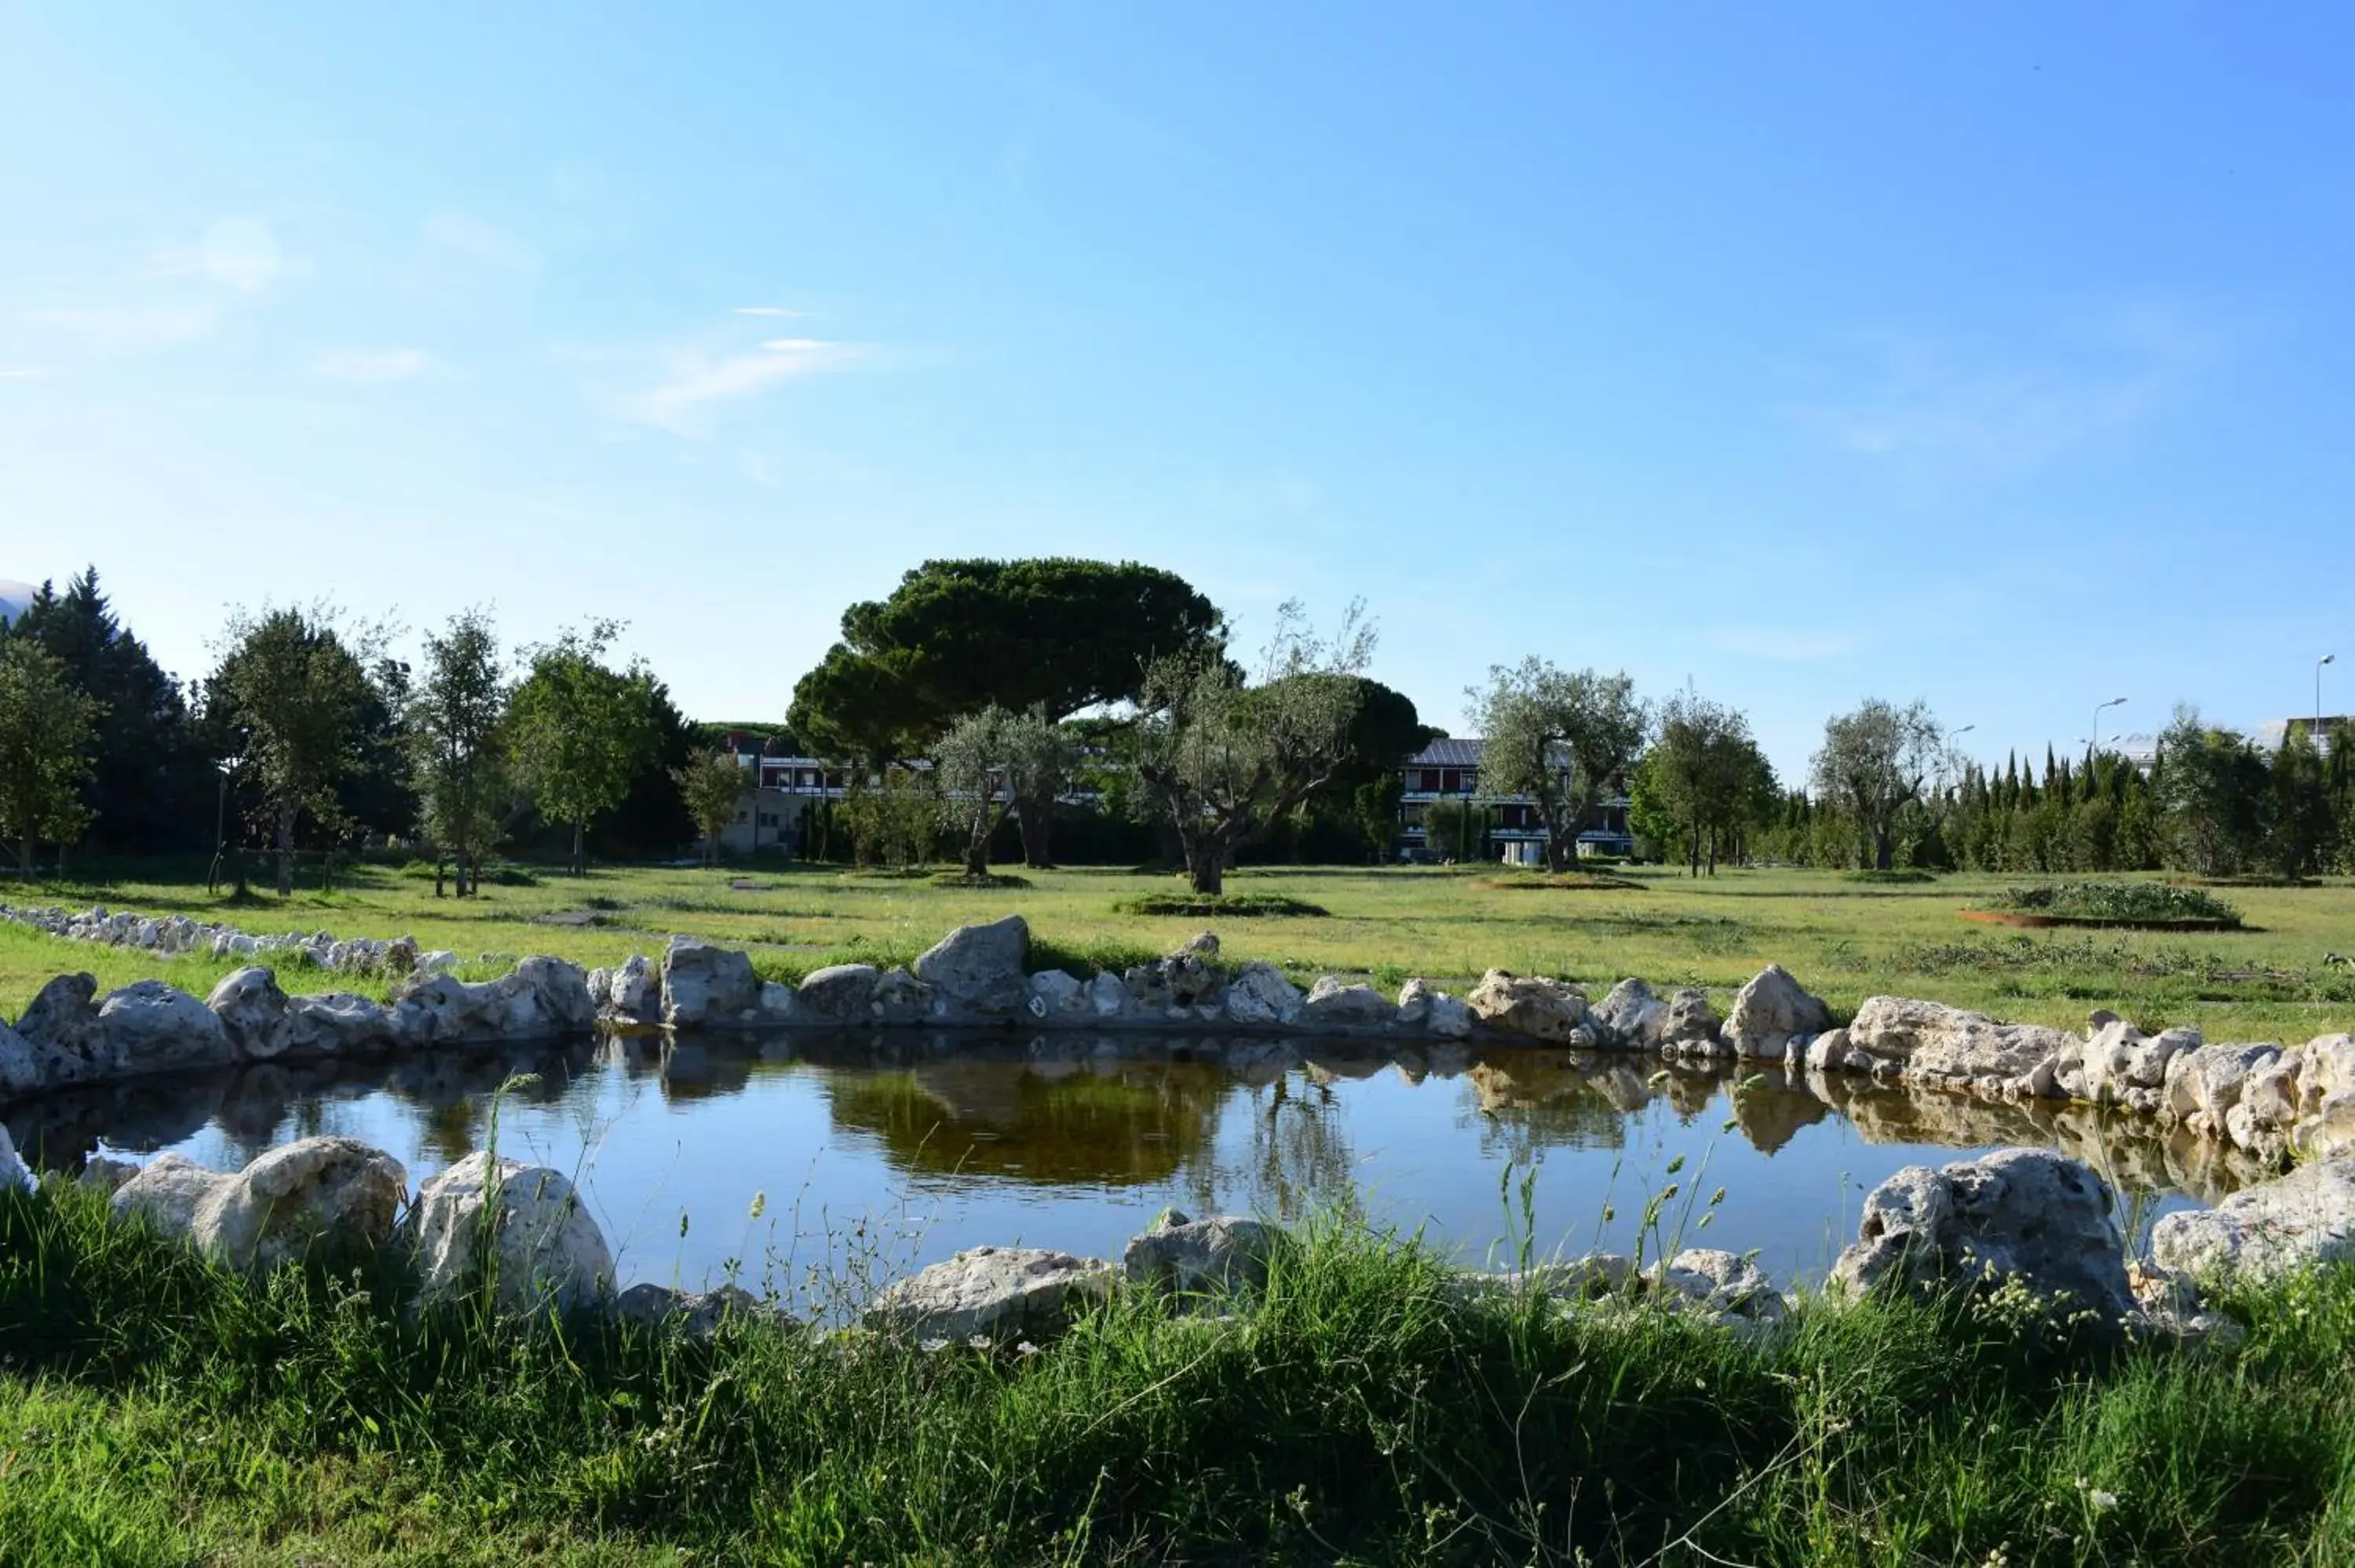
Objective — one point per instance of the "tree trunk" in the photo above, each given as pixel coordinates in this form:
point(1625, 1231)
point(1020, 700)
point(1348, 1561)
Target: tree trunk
point(1036, 820)
point(24, 857)
point(286, 850)
point(976, 859)
point(1884, 850)
point(1206, 864)
point(439, 865)
point(580, 865)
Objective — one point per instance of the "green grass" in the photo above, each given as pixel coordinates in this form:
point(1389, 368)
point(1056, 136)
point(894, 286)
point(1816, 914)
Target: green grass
point(154, 1409)
point(1844, 940)
point(1222, 905)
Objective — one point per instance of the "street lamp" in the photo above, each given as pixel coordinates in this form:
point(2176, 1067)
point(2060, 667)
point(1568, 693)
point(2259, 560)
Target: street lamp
point(2317, 736)
point(2097, 742)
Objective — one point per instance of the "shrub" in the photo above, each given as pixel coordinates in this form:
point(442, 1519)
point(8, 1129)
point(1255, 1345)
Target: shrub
point(2126, 902)
point(1230, 905)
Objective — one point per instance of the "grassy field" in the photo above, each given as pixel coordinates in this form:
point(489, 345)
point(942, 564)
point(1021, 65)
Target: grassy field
point(1844, 938)
point(155, 1410)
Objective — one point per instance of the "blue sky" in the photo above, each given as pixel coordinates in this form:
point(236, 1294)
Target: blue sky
point(1995, 356)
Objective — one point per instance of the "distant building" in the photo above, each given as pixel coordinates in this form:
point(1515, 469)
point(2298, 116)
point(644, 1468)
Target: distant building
point(1449, 770)
point(2273, 732)
point(781, 791)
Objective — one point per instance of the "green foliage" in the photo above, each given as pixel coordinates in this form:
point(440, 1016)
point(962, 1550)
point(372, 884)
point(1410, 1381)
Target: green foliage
point(711, 786)
point(302, 704)
point(454, 724)
point(1057, 635)
point(46, 725)
point(1221, 763)
point(149, 788)
point(989, 760)
point(1873, 877)
point(893, 820)
point(1454, 827)
point(1702, 783)
point(1874, 763)
point(581, 730)
point(2126, 902)
point(1235, 905)
point(1562, 738)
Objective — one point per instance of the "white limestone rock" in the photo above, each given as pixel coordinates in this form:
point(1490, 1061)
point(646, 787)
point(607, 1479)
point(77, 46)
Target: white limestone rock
point(1055, 994)
point(704, 987)
point(252, 1012)
point(1432, 1012)
point(839, 991)
point(1222, 1254)
point(1931, 1043)
point(545, 1248)
point(1530, 1006)
point(1000, 1294)
point(1259, 996)
point(979, 969)
point(2026, 1213)
point(2275, 1227)
point(1768, 1011)
point(1332, 1001)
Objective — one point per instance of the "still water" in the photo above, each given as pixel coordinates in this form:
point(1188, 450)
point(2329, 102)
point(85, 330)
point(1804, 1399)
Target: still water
point(850, 1156)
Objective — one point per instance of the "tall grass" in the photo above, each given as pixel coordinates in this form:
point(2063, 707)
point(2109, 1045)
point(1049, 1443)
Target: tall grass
point(154, 1408)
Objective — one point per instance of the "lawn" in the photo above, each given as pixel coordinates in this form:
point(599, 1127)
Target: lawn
point(1846, 939)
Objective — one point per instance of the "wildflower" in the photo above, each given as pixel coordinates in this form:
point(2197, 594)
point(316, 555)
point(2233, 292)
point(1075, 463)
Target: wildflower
point(2103, 1501)
point(760, 1203)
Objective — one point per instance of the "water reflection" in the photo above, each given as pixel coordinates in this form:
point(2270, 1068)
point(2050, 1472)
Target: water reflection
point(1073, 1141)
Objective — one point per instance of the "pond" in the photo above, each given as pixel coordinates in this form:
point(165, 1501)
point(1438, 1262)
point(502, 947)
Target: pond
point(814, 1165)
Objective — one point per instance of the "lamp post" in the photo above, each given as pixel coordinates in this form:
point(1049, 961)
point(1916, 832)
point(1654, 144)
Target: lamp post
point(2317, 736)
point(2097, 742)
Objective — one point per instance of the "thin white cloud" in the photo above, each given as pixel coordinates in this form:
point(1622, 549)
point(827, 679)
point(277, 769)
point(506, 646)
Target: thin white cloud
point(237, 252)
point(1790, 645)
point(778, 311)
point(479, 241)
point(17, 372)
point(1936, 407)
point(367, 368)
point(696, 382)
point(130, 329)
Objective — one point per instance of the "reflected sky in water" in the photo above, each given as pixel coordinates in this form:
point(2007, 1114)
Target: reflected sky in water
point(885, 1152)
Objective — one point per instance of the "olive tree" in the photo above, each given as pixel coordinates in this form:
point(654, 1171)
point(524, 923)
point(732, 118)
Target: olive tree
point(47, 727)
point(1874, 763)
point(1559, 737)
point(1223, 761)
point(988, 762)
point(301, 694)
point(581, 730)
point(711, 786)
point(1703, 779)
point(453, 722)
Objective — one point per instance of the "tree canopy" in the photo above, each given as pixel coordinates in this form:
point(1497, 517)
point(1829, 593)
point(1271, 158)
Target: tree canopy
point(1562, 738)
point(1054, 634)
point(1875, 762)
point(46, 724)
point(582, 730)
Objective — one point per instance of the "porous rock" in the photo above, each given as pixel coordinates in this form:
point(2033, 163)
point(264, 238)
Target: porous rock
point(1529, 1005)
point(706, 987)
point(694, 1315)
point(2028, 1215)
point(1259, 995)
point(1432, 1012)
point(252, 1012)
point(978, 969)
point(1768, 1011)
point(1187, 1257)
point(545, 1247)
point(1002, 1294)
point(1333, 1001)
point(1629, 1017)
point(1929, 1043)
point(13, 1173)
point(839, 991)
point(328, 1197)
point(2272, 1228)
